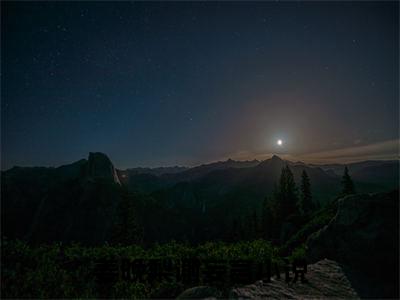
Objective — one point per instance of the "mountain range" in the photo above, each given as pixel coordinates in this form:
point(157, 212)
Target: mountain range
point(79, 201)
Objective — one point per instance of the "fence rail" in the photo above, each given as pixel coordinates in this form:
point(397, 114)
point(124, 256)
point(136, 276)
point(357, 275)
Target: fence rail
point(192, 271)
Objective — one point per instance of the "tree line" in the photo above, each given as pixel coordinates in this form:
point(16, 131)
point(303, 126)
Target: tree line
point(281, 215)
point(288, 208)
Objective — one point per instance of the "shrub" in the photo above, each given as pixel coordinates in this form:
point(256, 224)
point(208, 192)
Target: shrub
point(130, 290)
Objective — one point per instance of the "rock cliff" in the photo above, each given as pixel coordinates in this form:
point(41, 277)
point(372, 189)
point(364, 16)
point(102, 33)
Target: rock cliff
point(99, 166)
point(364, 237)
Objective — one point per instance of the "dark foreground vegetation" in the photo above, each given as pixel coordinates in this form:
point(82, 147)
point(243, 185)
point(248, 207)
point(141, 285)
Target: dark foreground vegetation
point(58, 271)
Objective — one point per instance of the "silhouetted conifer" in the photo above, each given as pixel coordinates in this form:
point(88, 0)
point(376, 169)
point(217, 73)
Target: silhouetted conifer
point(268, 218)
point(287, 194)
point(237, 231)
point(347, 183)
point(126, 230)
point(306, 204)
point(255, 225)
point(248, 228)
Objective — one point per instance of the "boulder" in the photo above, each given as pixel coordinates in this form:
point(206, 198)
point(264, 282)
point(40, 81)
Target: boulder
point(201, 292)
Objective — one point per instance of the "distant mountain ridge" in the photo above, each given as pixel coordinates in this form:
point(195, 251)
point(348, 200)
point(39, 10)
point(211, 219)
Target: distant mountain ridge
point(78, 202)
point(158, 171)
point(197, 171)
point(353, 167)
point(380, 173)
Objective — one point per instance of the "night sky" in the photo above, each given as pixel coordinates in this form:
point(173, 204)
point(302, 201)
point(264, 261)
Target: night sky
point(185, 83)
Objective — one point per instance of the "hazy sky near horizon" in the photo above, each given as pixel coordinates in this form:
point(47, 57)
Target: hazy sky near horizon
point(181, 83)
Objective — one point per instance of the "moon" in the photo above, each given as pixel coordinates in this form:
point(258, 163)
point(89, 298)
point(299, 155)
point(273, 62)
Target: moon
point(279, 142)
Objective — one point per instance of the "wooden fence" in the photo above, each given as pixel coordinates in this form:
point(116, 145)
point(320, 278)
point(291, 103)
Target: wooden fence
point(193, 271)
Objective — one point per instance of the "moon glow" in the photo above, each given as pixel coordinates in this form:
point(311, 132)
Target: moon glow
point(279, 142)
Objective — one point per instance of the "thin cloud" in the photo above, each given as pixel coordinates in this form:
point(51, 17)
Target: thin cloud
point(378, 151)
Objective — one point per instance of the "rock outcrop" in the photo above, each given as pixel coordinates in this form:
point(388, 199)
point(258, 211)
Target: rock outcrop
point(99, 166)
point(76, 202)
point(364, 237)
point(325, 279)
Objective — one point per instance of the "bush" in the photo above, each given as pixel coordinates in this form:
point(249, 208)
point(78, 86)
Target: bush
point(298, 254)
point(167, 289)
point(130, 290)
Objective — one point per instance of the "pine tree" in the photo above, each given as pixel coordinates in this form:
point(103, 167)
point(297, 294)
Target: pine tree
point(282, 205)
point(306, 204)
point(268, 218)
point(255, 225)
point(237, 231)
point(126, 229)
point(248, 229)
point(347, 183)
point(287, 197)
